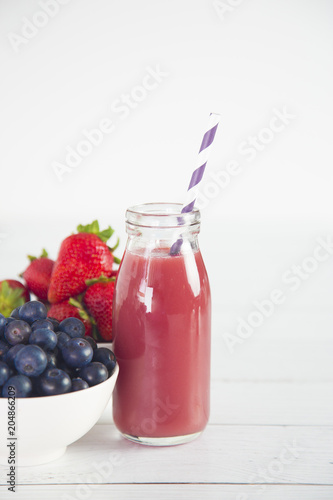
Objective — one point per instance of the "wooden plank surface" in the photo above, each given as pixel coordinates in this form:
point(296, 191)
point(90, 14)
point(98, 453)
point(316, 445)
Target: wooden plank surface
point(168, 491)
point(223, 454)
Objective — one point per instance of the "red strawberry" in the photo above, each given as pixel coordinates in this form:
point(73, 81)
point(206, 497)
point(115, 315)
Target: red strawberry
point(98, 302)
point(82, 256)
point(38, 275)
point(12, 294)
point(65, 309)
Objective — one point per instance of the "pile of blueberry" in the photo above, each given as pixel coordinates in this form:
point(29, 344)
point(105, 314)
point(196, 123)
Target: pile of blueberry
point(41, 357)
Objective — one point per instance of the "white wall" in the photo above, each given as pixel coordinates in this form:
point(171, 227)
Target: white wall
point(254, 60)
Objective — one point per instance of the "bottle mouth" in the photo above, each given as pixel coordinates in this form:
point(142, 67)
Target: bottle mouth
point(161, 215)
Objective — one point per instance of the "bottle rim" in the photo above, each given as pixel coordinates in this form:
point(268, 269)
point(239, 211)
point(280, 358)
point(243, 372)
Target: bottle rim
point(162, 214)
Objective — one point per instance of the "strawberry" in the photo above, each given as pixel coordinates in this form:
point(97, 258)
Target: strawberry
point(98, 302)
point(12, 294)
point(38, 275)
point(71, 309)
point(81, 256)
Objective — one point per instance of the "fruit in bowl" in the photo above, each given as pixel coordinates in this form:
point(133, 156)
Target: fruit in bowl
point(54, 384)
point(47, 425)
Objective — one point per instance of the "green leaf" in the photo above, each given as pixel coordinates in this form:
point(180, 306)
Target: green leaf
point(75, 303)
point(82, 312)
point(16, 294)
point(101, 279)
point(84, 315)
point(96, 335)
point(43, 254)
point(112, 249)
point(10, 298)
point(5, 288)
point(93, 228)
point(116, 259)
point(89, 228)
point(106, 234)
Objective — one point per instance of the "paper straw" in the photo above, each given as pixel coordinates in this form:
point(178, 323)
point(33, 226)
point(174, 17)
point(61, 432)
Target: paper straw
point(205, 148)
point(197, 175)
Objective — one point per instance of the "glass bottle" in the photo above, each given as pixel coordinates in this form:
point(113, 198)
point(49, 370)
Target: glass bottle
point(161, 327)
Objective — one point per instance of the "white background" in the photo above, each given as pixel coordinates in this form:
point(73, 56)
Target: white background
point(245, 62)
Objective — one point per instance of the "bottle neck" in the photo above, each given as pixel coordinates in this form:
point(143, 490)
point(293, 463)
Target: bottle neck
point(155, 227)
point(157, 240)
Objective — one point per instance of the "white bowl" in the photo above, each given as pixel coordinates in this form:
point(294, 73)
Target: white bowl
point(45, 426)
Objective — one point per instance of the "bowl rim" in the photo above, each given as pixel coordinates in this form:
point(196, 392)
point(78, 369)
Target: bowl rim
point(43, 398)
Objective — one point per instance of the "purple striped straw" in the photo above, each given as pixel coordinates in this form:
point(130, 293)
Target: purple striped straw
point(205, 148)
point(193, 188)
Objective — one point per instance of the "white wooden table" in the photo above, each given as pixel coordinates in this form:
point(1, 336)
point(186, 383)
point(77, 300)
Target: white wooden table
point(270, 434)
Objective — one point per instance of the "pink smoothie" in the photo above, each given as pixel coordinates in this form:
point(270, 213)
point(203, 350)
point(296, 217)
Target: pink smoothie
point(162, 343)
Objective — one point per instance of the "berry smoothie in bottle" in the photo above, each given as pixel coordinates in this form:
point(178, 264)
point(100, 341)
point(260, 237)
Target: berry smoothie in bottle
point(161, 325)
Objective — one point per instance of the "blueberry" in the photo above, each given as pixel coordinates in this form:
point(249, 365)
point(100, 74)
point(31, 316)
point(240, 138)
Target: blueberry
point(4, 347)
point(54, 381)
point(31, 361)
point(94, 373)
point(73, 327)
point(15, 313)
point(105, 356)
point(32, 311)
point(63, 338)
point(35, 387)
point(4, 372)
point(91, 341)
point(77, 353)
point(51, 360)
point(19, 384)
point(3, 323)
point(55, 324)
point(17, 332)
point(78, 384)
point(42, 323)
point(11, 354)
point(45, 338)
point(72, 372)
